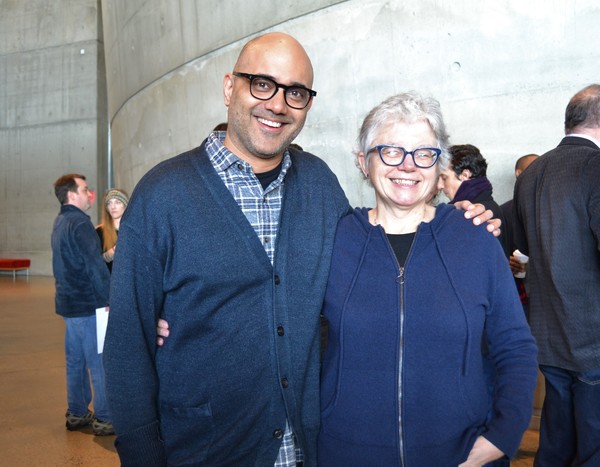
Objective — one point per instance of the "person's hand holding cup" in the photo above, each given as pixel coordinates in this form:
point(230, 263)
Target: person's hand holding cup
point(518, 263)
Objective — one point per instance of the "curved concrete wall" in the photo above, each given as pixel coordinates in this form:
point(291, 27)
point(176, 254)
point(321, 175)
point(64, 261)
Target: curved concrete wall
point(503, 72)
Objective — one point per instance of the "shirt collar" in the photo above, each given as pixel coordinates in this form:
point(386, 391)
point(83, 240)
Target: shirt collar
point(588, 137)
point(222, 158)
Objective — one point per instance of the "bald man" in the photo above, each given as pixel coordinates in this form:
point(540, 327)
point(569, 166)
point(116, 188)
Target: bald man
point(557, 223)
point(231, 244)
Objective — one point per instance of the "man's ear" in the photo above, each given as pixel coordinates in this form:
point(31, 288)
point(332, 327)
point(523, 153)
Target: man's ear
point(227, 88)
point(70, 196)
point(465, 175)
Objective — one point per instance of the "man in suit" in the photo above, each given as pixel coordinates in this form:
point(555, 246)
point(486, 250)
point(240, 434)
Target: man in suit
point(557, 223)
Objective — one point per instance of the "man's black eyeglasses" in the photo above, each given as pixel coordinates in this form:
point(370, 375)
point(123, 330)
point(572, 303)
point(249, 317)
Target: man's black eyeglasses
point(264, 88)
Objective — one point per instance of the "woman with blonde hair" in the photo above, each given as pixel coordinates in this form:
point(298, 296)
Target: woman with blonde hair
point(115, 202)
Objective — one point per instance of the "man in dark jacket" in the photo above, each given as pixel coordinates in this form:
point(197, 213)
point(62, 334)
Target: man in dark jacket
point(557, 223)
point(82, 285)
point(518, 268)
point(466, 179)
point(239, 278)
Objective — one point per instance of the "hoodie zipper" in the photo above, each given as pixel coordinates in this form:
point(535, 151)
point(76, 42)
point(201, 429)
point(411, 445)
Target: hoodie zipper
point(400, 280)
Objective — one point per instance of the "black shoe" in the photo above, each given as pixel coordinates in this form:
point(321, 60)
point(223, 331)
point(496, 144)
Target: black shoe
point(101, 428)
point(75, 423)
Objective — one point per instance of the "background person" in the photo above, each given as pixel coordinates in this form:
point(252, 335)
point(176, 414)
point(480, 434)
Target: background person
point(220, 127)
point(465, 179)
point(115, 201)
point(412, 289)
point(507, 228)
point(557, 223)
point(82, 283)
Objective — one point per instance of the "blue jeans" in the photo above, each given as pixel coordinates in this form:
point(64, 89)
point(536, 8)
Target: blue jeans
point(570, 423)
point(81, 352)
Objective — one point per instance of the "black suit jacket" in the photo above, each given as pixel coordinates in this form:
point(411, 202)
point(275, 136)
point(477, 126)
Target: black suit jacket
point(557, 223)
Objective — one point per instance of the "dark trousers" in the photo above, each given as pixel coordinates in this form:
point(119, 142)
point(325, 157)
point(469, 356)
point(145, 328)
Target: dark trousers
point(570, 422)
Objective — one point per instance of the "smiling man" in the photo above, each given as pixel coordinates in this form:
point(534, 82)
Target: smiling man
point(238, 268)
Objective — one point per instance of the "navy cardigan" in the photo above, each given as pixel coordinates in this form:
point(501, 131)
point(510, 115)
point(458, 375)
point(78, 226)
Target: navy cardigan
point(405, 381)
point(243, 352)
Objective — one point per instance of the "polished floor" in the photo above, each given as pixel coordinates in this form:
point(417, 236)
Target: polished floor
point(32, 386)
point(32, 383)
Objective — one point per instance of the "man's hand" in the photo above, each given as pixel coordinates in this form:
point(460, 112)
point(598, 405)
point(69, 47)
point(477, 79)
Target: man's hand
point(482, 452)
point(516, 266)
point(162, 330)
point(479, 214)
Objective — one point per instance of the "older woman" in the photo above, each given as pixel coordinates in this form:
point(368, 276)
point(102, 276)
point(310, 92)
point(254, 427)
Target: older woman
point(115, 202)
point(414, 291)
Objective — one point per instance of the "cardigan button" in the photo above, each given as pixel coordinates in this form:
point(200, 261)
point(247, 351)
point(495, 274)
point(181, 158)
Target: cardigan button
point(284, 383)
point(280, 331)
point(278, 433)
point(277, 280)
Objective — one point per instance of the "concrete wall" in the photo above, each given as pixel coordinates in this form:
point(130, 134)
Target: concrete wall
point(53, 116)
point(503, 72)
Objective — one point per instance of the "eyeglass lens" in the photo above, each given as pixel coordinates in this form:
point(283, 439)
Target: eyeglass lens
point(264, 89)
point(422, 157)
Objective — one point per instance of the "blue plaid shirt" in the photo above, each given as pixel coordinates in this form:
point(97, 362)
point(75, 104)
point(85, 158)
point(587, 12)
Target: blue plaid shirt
point(261, 208)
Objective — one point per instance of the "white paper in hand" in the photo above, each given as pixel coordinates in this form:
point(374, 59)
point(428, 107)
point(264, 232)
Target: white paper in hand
point(101, 323)
point(523, 259)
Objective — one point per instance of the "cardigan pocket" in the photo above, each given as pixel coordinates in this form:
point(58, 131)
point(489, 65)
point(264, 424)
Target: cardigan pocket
point(188, 433)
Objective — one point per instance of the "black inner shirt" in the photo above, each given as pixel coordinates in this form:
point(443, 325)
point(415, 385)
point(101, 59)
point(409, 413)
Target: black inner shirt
point(401, 244)
point(266, 178)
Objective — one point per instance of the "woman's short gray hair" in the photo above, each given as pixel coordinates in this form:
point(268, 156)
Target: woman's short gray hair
point(407, 107)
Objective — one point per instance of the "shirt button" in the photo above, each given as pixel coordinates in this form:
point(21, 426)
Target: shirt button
point(277, 280)
point(267, 239)
point(240, 167)
point(284, 383)
point(280, 331)
point(278, 434)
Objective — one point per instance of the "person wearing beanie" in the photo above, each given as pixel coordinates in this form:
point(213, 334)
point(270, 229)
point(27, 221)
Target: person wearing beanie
point(115, 202)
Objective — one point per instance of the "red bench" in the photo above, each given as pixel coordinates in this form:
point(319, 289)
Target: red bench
point(14, 265)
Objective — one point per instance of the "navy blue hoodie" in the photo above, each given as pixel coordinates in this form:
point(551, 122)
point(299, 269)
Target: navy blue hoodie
point(404, 378)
